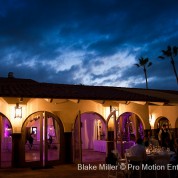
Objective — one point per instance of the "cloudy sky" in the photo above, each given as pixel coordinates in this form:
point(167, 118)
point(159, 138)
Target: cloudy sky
point(90, 42)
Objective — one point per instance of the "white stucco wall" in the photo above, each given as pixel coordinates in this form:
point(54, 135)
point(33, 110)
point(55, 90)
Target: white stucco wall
point(170, 112)
point(4, 107)
point(67, 111)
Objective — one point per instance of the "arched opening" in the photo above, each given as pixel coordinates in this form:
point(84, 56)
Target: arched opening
point(159, 124)
point(6, 142)
point(164, 132)
point(42, 138)
point(93, 133)
point(163, 120)
point(90, 128)
point(129, 128)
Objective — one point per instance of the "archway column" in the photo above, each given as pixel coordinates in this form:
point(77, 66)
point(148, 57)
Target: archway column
point(111, 134)
point(17, 150)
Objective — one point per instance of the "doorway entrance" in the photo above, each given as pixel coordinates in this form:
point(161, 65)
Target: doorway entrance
point(5, 142)
point(129, 129)
point(159, 124)
point(89, 138)
point(42, 138)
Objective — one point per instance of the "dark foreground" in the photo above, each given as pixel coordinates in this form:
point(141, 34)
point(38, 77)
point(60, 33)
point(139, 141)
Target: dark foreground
point(71, 171)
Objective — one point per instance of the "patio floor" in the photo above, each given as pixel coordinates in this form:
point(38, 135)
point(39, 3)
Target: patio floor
point(68, 171)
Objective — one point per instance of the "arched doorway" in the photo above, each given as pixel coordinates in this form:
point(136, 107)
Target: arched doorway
point(159, 123)
point(43, 139)
point(163, 123)
point(91, 130)
point(6, 142)
point(129, 127)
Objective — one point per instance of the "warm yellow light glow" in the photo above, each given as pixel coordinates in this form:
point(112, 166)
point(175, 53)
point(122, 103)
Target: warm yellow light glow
point(18, 112)
point(117, 114)
point(107, 112)
point(111, 120)
point(111, 124)
point(12, 111)
point(16, 122)
point(152, 120)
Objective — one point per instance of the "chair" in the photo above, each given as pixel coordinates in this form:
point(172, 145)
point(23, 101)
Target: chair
point(133, 160)
point(117, 172)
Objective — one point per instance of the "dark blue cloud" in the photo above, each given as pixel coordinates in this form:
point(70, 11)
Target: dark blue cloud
point(40, 31)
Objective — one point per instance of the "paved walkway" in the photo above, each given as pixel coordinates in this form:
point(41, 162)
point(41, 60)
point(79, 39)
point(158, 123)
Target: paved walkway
point(69, 171)
point(63, 171)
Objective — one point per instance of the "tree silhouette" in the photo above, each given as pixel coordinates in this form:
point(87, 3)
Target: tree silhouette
point(145, 63)
point(171, 53)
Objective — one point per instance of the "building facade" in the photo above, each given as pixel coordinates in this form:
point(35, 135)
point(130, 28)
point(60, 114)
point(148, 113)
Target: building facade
point(44, 124)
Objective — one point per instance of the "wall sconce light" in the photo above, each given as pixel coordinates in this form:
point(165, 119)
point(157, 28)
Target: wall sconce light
point(18, 111)
point(117, 114)
point(116, 110)
point(150, 119)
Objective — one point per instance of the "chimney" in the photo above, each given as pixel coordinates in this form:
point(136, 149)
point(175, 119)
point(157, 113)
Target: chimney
point(10, 75)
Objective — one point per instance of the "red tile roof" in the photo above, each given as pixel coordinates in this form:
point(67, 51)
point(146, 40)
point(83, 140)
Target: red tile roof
point(15, 87)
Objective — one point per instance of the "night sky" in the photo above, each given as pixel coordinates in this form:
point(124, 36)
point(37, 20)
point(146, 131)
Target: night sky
point(89, 42)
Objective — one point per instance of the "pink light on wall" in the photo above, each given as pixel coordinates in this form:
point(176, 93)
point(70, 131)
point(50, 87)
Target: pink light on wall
point(7, 131)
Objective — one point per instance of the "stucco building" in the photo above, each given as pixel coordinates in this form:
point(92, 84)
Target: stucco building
point(64, 120)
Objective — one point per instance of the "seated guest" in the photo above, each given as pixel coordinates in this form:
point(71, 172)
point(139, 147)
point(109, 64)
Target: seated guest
point(138, 150)
point(151, 140)
point(111, 158)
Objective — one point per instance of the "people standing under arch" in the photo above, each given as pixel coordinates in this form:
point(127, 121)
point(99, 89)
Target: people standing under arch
point(138, 150)
point(165, 137)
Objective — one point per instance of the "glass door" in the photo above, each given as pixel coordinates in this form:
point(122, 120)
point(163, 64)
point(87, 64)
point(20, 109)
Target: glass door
point(33, 137)
point(42, 139)
point(53, 140)
point(6, 142)
point(77, 145)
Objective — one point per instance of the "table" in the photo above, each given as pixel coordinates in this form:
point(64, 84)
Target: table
point(125, 146)
point(100, 145)
point(161, 159)
point(160, 155)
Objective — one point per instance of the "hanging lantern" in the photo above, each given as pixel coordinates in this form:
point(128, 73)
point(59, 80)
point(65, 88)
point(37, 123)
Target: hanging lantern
point(18, 111)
